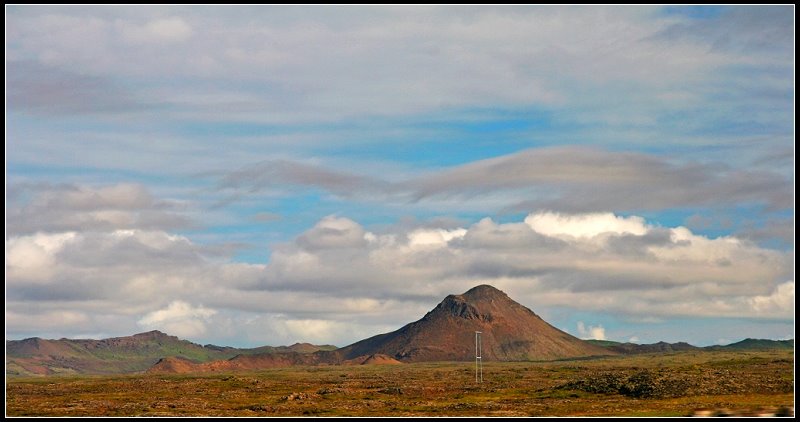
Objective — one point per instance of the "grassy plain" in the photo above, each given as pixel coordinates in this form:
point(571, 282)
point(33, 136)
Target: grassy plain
point(642, 385)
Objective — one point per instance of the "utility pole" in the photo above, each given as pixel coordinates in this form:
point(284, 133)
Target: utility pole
point(478, 360)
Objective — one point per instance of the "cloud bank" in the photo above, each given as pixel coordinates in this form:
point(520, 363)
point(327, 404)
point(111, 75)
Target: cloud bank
point(329, 63)
point(338, 280)
point(34, 207)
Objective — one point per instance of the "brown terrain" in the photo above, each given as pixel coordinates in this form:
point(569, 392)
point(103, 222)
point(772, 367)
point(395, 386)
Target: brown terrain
point(178, 365)
point(658, 384)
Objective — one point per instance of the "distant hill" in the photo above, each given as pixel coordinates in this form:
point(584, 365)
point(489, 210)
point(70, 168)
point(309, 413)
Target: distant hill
point(136, 353)
point(295, 348)
point(511, 332)
point(756, 344)
point(663, 347)
point(603, 343)
point(660, 347)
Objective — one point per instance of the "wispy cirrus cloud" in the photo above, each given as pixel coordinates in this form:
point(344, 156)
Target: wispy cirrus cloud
point(589, 179)
point(759, 31)
point(575, 179)
point(41, 89)
point(277, 173)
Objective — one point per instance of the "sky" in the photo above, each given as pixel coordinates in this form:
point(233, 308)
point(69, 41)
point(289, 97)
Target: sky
point(265, 175)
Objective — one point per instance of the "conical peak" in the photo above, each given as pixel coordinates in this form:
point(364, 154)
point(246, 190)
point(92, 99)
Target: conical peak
point(484, 292)
point(480, 302)
point(459, 306)
point(512, 332)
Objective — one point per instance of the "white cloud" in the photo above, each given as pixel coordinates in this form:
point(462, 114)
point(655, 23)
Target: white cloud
point(33, 258)
point(686, 246)
point(433, 238)
point(60, 208)
point(314, 330)
point(633, 339)
point(591, 332)
point(779, 302)
point(333, 232)
point(607, 263)
point(585, 225)
point(179, 318)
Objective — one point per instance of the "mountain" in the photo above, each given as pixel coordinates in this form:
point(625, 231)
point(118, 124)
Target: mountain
point(635, 349)
point(510, 332)
point(36, 356)
point(136, 353)
point(756, 344)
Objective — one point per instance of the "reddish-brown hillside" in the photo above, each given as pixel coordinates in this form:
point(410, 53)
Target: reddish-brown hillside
point(510, 332)
point(246, 362)
point(174, 365)
point(379, 359)
point(136, 353)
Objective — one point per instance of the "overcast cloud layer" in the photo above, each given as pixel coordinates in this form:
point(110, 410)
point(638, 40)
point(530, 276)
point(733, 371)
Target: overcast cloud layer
point(272, 174)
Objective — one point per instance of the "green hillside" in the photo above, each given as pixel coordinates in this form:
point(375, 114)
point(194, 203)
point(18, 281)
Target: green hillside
point(603, 343)
point(757, 344)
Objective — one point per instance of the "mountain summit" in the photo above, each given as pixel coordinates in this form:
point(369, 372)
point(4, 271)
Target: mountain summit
point(510, 332)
